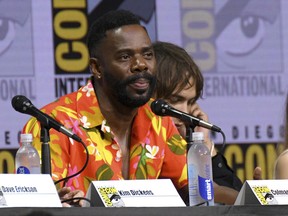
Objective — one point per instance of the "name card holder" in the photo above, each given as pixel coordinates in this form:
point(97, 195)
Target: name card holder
point(28, 190)
point(263, 192)
point(134, 193)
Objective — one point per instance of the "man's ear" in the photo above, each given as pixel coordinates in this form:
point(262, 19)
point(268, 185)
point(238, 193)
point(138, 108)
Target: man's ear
point(95, 67)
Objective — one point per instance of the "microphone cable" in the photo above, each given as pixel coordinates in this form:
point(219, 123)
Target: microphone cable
point(223, 142)
point(81, 170)
point(73, 175)
point(190, 130)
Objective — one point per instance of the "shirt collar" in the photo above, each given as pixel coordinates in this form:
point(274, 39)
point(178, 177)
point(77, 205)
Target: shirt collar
point(90, 115)
point(88, 109)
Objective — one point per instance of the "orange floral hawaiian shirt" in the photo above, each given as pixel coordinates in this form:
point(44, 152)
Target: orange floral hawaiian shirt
point(156, 148)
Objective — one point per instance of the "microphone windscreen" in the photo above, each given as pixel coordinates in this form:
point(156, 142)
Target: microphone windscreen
point(17, 103)
point(157, 106)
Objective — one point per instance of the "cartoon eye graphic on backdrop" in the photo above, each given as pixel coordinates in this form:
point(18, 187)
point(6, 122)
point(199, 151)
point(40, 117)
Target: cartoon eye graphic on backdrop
point(242, 36)
point(7, 34)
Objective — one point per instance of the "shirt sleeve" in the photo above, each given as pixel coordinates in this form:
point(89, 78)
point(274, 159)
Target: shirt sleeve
point(223, 175)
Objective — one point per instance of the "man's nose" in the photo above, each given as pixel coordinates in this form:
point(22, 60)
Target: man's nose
point(139, 64)
point(184, 107)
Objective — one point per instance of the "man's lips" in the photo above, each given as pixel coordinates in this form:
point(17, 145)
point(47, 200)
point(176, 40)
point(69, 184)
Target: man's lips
point(140, 84)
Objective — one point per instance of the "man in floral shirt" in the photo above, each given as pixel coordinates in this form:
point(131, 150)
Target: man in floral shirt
point(112, 114)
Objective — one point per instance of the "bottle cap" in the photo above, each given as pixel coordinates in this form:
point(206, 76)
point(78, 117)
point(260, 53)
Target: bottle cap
point(26, 138)
point(197, 136)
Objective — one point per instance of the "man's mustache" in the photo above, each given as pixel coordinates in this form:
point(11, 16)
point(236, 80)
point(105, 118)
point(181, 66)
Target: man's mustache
point(137, 76)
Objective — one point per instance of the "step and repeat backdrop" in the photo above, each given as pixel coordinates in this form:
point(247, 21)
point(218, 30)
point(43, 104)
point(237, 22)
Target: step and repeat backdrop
point(240, 46)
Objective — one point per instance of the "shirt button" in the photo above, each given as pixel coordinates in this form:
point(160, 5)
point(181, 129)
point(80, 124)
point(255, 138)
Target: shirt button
point(220, 165)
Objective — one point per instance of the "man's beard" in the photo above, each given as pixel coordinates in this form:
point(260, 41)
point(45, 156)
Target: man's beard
point(119, 88)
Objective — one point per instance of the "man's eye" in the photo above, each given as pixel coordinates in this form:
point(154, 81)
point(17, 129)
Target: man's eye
point(173, 100)
point(124, 57)
point(148, 54)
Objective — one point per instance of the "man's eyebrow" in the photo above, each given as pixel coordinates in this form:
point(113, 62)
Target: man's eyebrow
point(177, 96)
point(124, 50)
point(148, 48)
point(129, 50)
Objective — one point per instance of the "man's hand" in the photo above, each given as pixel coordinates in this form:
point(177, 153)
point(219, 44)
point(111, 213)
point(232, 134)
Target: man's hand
point(257, 174)
point(196, 111)
point(66, 193)
point(224, 195)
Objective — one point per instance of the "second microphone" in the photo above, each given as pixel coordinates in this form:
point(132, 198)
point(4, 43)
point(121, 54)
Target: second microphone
point(161, 108)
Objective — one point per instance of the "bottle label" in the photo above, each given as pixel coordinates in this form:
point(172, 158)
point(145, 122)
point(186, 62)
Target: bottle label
point(22, 170)
point(206, 188)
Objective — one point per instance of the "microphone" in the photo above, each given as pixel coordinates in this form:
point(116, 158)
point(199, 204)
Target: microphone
point(161, 108)
point(23, 105)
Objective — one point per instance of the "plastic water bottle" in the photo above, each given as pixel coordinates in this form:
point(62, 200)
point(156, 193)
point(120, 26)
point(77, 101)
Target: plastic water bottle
point(27, 158)
point(200, 179)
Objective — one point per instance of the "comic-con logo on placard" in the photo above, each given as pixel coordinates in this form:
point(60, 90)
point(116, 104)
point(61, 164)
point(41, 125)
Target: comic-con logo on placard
point(229, 36)
point(110, 197)
point(264, 195)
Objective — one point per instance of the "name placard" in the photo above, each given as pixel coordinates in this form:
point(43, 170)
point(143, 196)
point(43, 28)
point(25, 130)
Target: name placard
point(263, 192)
point(134, 193)
point(28, 190)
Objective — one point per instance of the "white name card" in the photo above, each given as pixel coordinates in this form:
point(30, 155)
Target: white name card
point(263, 192)
point(28, 190)
point(134, 193)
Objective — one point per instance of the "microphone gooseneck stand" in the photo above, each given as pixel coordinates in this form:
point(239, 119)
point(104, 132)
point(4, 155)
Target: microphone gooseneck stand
point(45, 150)
point(45, 147)
point(189, 131)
